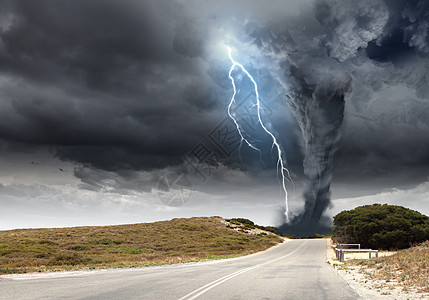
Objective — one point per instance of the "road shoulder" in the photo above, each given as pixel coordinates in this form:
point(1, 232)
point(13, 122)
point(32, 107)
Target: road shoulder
point(362, 282)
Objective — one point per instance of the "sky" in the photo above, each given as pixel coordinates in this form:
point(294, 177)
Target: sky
point(115, 112)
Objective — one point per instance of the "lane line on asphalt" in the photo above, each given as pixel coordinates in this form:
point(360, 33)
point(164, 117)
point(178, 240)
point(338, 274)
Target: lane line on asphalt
point(198, 292)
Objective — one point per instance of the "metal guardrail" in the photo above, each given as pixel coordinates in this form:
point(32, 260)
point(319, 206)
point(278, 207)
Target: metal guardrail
point(340, 246)
point(339, 251)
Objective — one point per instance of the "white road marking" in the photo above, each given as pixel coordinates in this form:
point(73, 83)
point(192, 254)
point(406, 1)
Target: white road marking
point(198, 292)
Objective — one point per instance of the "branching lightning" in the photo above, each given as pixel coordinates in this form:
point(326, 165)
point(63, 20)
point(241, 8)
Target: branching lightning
point(281, 169)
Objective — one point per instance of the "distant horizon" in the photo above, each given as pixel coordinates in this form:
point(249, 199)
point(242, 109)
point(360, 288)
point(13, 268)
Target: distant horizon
point(181, 217)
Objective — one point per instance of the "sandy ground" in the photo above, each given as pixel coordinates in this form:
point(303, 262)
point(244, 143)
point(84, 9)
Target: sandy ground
point(365, 287)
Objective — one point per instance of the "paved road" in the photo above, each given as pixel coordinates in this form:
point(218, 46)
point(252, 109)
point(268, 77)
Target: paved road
point(293, 270)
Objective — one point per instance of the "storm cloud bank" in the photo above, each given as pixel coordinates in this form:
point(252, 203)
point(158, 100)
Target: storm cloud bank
point(322, 56)
point(123, 90)
point(102, 83)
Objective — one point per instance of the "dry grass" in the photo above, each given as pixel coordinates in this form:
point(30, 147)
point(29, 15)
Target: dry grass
point(178, 240)
point(408, 268)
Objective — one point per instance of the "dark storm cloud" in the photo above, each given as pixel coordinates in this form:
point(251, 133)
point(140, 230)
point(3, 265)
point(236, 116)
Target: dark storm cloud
point(130, 85)
point(383, 46)
point(103, 83)
point(124, 182)
point(388, 112)
point(115, 87)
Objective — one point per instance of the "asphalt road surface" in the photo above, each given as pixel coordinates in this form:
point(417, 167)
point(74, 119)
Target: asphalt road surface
point(294, 270)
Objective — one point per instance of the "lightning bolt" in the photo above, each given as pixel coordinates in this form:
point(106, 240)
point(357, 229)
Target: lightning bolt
point(281, 169)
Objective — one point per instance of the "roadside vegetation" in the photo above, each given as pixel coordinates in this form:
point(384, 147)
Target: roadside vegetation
point(246, 224)
point(387, 227)
point(167, 242)
point(308, 236)
point(407, 268)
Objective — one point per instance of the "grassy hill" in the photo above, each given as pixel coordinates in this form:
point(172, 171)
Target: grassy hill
point(166, 242)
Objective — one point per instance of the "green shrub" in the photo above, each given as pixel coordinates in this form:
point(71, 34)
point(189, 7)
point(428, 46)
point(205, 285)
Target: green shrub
point(128, 250)
point(105, 241)
point(71, 259)
point(27, 241)
point(6, 249)
point(232, 221)
point(48, 242)
point(381, 227)
point(191, 227)
point(80, 247)
point(118, 241)
point(248, 224)
point(269, 228)
point(38, 249)
point(132, 251)
point(244, 221)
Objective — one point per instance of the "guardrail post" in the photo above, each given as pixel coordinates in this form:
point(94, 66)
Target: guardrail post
point(340, 252)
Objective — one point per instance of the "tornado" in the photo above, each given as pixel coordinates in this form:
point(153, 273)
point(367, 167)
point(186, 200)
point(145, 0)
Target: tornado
point(319, 110)
point(319, 55)
point(379, 44)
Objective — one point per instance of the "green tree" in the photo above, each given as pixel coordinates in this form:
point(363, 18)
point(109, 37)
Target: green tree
point(381, 227)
